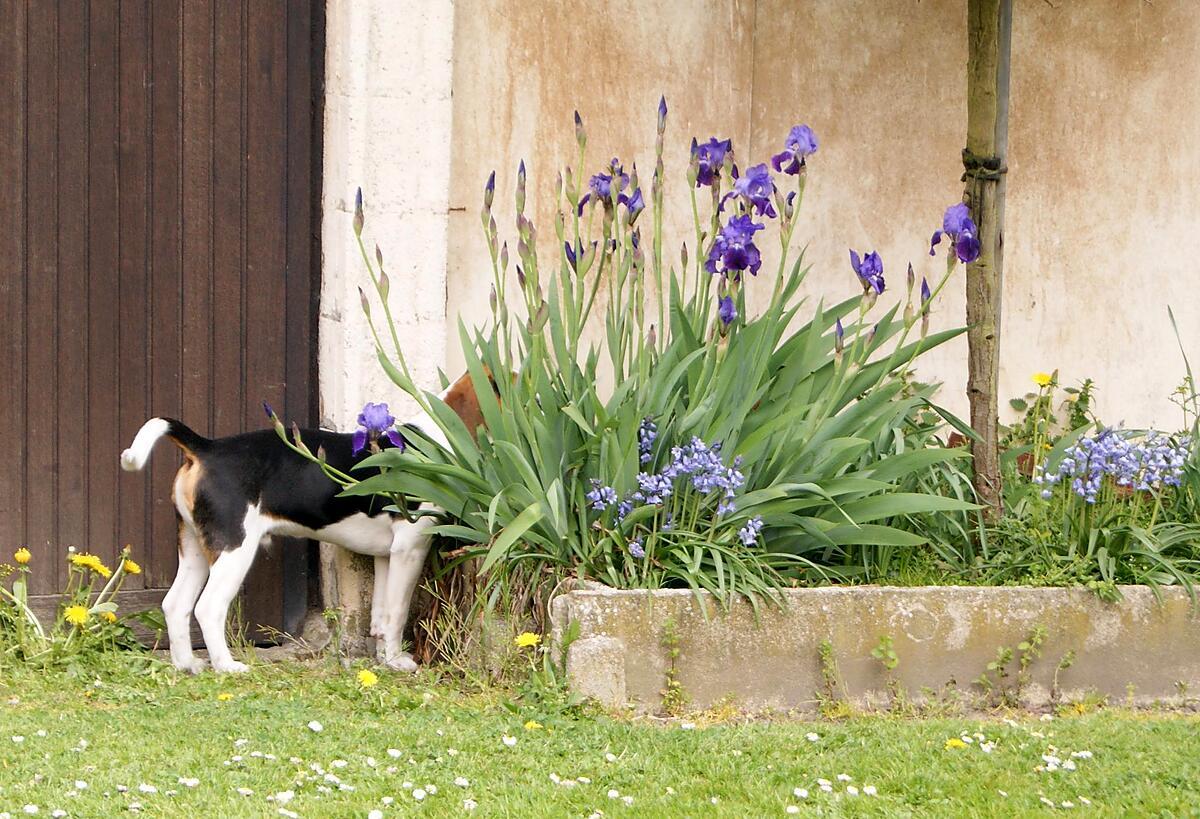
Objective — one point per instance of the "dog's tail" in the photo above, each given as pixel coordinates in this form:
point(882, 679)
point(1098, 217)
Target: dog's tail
point(185, 438)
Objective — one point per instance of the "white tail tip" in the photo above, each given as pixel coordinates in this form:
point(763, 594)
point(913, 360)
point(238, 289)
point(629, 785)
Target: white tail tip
point(138, 453)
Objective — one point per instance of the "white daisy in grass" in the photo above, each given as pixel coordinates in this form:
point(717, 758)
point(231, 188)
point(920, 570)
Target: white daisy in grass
point(375, 814)
point(844, 777)
point(295, 760)
point(1002, 793)
point(1068, 764)
point(800, 793)
point(586, 781)
point(394, 753)
point(144, 788)
point(1048, 802)
point(282, 798)
point(31, 809)
point(42, 732)
point(555, 778)
point(462, 782)
point(791, 809)
point(239, 743)
point(387, 800)
point(431, 789)
point(688, 726)
point(713, 799)
point(58, 812)
point(408, 786)
point(135, 807)
point(188, 782)
point(452, 751)
point(613, 793)
point(316, 727)
point(853, 791)
point(823, 782)
point(19, 739)
point(324, 789)
point(80, 785)
point(418, 794)
point(1081, 754)
point(610, 757)
point(338, 763)
point(122, 788)
point(1083, 800)
point(628, 800)
point(1067, 804)
point(812, 736)
point(509, 741)
point(371, 763)
point(290, 814)
point(470, 804)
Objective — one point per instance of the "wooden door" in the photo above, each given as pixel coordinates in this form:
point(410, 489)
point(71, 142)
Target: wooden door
point(158, 256)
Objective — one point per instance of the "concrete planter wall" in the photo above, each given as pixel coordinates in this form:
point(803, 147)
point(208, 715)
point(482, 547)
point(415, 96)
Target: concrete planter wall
point(944, 637)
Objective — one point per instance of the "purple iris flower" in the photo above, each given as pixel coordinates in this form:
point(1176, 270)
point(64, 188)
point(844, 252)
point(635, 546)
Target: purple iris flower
point(710, 157)
point(601, 184)
point(960, 228)
point(800, 142)
point(373, 421)
point(734, 250)
point(839, 336)
point(757, 187)
point(633, 202)
point(725, 310)
point(870, 270)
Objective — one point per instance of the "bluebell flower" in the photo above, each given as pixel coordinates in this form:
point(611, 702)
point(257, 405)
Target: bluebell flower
point(636, 549)
point(647, 432)
point(601, 497)
point(869, 270)
point(749, 533)
point(734, 251)
point(800, 143)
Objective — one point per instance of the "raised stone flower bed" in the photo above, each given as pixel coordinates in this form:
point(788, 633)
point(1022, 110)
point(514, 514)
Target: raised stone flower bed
point(943, 639)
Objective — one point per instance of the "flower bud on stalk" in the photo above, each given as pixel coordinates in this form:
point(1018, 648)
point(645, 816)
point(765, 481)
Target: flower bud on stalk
point(839, 340)
point(489, 191)
point(683, 256)
point(385, 285)
point(662, 115)
point(492, 300)
point(572, 191)
point(651, 338)
point(580, 133)
point(366, 305)
point(504, 256)
point(378, 256)
point(521, 188)
point(359, 219)
point(520, 277)
point(926, 297)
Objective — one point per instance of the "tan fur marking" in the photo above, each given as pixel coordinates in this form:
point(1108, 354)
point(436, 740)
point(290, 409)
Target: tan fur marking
point(186, 481)
point(461, 398)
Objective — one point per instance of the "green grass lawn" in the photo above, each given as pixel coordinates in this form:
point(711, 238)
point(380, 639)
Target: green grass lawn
point(377, 749)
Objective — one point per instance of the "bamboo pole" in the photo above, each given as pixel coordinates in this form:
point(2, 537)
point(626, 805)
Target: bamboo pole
point(989, 34)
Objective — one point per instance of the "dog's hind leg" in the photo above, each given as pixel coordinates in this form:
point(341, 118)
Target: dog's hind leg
point(410, 545)
point(379, 598)
point(178, 604)
point(224, 579)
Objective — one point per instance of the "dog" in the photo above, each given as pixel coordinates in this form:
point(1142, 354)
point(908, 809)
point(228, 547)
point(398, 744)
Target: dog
point(231, 494)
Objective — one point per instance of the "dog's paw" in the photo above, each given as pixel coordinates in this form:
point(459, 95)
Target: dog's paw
point(376, 628)
point(402, 662)
point(231, 667)
point(192, 665)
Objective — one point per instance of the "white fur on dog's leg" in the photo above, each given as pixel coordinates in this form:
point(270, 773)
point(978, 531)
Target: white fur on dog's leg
point(181, 599)
point(410, 545)
point(402, 662)
point(379, 598)
point(224, 580)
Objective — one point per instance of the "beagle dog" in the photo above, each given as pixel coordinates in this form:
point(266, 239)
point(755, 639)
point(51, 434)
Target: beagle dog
point(233, 493)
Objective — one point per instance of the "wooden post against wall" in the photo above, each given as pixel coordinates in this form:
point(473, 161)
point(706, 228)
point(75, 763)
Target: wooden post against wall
point(989, 35)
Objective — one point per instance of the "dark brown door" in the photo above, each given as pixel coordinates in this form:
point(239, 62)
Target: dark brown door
point(160, 163)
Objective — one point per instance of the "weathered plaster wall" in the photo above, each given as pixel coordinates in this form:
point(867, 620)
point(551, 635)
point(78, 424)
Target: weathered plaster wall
point(387, 126)
point(1104, 189)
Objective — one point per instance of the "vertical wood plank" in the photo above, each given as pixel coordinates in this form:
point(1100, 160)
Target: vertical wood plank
point(102, 263)
point(165, 273)
point(133, 330)
point(41, 317)
point(197, 214)
point(228, 218)
point(12, 283)
point(266, 257)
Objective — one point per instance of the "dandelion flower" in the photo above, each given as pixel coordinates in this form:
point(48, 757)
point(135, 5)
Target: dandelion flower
point(224, 696)
point(532, 725)
point(131, 567)
point(76, 615)
point(89, 561)
point(955, 742)
point(367, 678)
point(108, 616)
point(1042, 379)
point(22, 556)
point(527, 640)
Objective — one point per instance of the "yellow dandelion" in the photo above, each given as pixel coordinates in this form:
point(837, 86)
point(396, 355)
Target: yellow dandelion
point(22, 556)
point(224, 696)
point(1042, 379)
point(109, 616)
point(533, 725)
point(367, 678)
point(955, 742)
point(131, 567)
point(527, 640)
point(76, 615)
point(87, 561)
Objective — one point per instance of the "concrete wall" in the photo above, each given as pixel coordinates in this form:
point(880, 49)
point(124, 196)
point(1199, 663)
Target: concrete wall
point(943, 637)
point(1104, 186)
